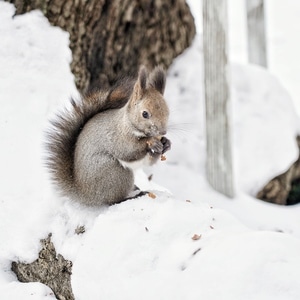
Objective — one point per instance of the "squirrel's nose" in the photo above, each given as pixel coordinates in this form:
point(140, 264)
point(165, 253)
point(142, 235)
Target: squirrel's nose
point(163, 132)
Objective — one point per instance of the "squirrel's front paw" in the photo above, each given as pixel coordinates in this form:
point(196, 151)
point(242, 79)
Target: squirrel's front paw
point(166, 144)
point(155, 146)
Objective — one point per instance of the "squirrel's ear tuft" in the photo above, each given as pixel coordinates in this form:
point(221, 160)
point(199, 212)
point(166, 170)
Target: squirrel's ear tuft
point(142, 77)
point(141, 84)
point(158, 79)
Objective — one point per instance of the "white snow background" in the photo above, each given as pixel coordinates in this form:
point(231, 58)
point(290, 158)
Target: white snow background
point(143, 249)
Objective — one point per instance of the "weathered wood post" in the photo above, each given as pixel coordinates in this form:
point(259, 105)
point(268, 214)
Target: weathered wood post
point(257, 49)
point(217, 97)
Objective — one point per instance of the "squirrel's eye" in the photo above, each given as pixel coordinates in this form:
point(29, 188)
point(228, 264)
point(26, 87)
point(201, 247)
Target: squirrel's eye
point(145, 114)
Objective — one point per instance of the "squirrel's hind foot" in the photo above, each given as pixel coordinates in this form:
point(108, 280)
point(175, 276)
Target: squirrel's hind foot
point(136, 193)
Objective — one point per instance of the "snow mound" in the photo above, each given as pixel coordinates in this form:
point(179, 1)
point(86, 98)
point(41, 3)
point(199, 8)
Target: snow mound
point(265, 127)
point(145, 248)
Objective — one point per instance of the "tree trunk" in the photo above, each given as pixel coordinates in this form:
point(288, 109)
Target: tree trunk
point(257, 53)
point(109, 37)
point(217, 97)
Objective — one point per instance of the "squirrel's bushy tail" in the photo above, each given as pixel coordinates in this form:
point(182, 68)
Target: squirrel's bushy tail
point(66, 126)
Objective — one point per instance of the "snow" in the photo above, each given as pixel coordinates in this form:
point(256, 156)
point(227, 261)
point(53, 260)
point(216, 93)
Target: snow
point(144, 248)
point(253, 113)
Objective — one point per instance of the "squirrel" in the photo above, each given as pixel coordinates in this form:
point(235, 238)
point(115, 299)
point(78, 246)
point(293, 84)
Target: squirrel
point(94, 146)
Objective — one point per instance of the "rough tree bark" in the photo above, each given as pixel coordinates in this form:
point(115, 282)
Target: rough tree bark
point(217, 97)
point(112, 36)
point(257, 45)
point(50, 269)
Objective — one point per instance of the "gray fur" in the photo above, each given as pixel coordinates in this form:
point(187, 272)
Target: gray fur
point(91, 147)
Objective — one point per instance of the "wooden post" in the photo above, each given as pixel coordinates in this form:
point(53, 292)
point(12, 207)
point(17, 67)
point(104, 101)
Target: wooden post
point(217, 97)
point(257, 52)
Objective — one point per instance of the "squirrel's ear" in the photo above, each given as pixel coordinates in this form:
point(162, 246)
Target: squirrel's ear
point(141, 83)
point(158, 79)
point(142, 77)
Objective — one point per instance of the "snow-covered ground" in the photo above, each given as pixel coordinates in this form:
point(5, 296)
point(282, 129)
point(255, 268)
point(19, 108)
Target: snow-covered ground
point(144, 248)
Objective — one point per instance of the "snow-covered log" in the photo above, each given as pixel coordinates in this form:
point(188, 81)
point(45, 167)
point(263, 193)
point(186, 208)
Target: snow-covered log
point(217, 96)
point(257, 49)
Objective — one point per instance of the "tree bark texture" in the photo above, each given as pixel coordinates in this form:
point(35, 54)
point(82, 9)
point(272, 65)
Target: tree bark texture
point(109, 37)
point(217, 97)
point(257, 49)
point(50, 269)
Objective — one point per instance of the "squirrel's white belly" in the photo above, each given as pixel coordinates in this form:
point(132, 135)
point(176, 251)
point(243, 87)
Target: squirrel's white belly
point(137, 164)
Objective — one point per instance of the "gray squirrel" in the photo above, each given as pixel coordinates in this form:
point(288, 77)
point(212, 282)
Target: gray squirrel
point(93, 147)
